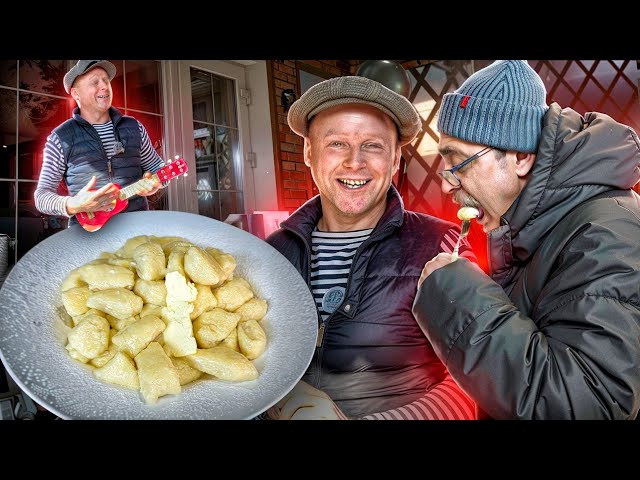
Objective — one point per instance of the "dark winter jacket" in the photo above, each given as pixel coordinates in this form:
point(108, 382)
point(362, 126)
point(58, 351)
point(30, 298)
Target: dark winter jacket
point(556, 333)
point(373, 356)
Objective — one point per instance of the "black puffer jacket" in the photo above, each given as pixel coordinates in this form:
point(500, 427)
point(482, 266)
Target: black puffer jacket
point(558, 335)
point(373, 356)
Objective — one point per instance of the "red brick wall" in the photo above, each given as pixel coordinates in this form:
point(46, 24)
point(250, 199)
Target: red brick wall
point(293, 178)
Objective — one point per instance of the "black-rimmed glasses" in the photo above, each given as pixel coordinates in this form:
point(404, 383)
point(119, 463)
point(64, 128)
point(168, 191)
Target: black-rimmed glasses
point(449, 174)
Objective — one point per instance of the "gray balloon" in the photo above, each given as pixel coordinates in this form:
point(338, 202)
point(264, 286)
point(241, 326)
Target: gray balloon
point(389, 73)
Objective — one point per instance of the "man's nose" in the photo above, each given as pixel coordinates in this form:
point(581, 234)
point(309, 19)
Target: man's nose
point(354, 159)
point(447, 188)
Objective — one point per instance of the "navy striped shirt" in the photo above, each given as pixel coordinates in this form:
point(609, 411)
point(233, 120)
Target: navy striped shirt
point(54, 166)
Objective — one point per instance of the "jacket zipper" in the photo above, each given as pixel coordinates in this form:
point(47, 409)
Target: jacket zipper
point(94, 134)
point(324, 325)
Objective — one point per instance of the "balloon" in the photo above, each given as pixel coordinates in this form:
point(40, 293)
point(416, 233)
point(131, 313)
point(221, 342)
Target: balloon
point(389, 73)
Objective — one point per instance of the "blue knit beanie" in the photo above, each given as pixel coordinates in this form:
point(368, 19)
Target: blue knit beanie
point(501, 106)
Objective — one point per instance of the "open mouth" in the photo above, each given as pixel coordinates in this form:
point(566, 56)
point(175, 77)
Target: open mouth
point(353, 184)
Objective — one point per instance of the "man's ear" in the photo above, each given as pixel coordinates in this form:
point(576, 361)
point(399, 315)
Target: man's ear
point(74, 94)
point(396, 162)
point(307, 152)
point(524, 163)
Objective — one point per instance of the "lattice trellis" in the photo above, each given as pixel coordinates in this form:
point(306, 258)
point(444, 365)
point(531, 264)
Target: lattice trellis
point(609, 86)
point(421, 184)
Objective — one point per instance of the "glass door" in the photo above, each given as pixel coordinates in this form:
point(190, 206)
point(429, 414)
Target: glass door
point(215, 126)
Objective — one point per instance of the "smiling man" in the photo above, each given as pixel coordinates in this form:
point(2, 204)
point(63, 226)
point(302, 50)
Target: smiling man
point(554, 332)
point(362, 254)
point(94, 149)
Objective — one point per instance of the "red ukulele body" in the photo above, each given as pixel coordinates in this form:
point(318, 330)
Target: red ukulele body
point(92, 221)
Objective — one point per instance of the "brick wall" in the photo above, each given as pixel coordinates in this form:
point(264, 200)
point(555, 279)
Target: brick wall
point(293, 178)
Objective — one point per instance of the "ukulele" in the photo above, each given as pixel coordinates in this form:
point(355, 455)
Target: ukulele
point(93, 221)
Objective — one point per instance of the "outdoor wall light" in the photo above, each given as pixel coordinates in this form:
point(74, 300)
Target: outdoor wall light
point(288, 97)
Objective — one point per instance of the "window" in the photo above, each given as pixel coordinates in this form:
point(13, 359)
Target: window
point(216, 145)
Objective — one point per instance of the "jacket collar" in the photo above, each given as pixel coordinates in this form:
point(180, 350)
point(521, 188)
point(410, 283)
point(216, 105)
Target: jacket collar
point(304, 220)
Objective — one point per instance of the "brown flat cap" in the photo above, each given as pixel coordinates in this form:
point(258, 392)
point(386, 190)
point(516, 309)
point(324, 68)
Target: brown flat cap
point(83, 66)
point(354, 89)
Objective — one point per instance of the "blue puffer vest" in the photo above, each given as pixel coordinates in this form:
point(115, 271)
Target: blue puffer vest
point(85, 155)
point(373, 356)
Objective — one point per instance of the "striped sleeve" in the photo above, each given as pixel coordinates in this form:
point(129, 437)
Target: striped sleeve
point(149, 158)
point(46, 197)
point(449, 242)
point(445, 401)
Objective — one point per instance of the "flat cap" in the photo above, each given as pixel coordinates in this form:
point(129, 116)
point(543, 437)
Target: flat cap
point(83, 66)
point(354, 89)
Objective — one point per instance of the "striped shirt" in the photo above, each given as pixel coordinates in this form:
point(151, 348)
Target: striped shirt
point(331, 257)
point(54, 167)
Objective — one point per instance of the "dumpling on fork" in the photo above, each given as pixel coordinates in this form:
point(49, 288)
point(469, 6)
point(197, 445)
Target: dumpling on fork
point(468, 213)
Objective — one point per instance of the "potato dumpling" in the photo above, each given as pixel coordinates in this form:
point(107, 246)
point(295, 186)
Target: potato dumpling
point(102, 359)
point(121, 323)
point(73, 353)
point(72, 280)
point(75, 300)
point(119, 302)
point(104, 276)
point(122, 262)
point(90, 337)
point(176, 262)
point(254, 309)
point(252, 339)
point(202, 267)
point(150, 309)
point(177, 246)
point(150, 261)
point(233, 294)
point(226, 261)
point(468, 213)
point(223, 363)
point(120, 370)
point(231, 341)
point(214, 326)
point(156, 373)
point(126, 251)
point(92, 311)
point(133, 339)
point(205, 301)
point(162, 241)
point(186, 373)
point(151, 291)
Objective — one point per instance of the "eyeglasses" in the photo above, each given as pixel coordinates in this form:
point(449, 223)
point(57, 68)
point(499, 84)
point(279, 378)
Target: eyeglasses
point(451, 177)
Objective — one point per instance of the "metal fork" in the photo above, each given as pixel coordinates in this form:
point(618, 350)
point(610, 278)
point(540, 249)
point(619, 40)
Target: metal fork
point(463, 233)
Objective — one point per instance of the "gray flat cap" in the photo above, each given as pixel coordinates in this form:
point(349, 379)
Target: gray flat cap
point(83, 66)
point(354, 89)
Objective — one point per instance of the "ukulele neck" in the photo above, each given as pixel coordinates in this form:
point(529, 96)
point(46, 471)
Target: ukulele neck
point(134, 188)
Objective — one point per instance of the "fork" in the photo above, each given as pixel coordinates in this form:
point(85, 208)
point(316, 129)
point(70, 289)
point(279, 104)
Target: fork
point(463, 233)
